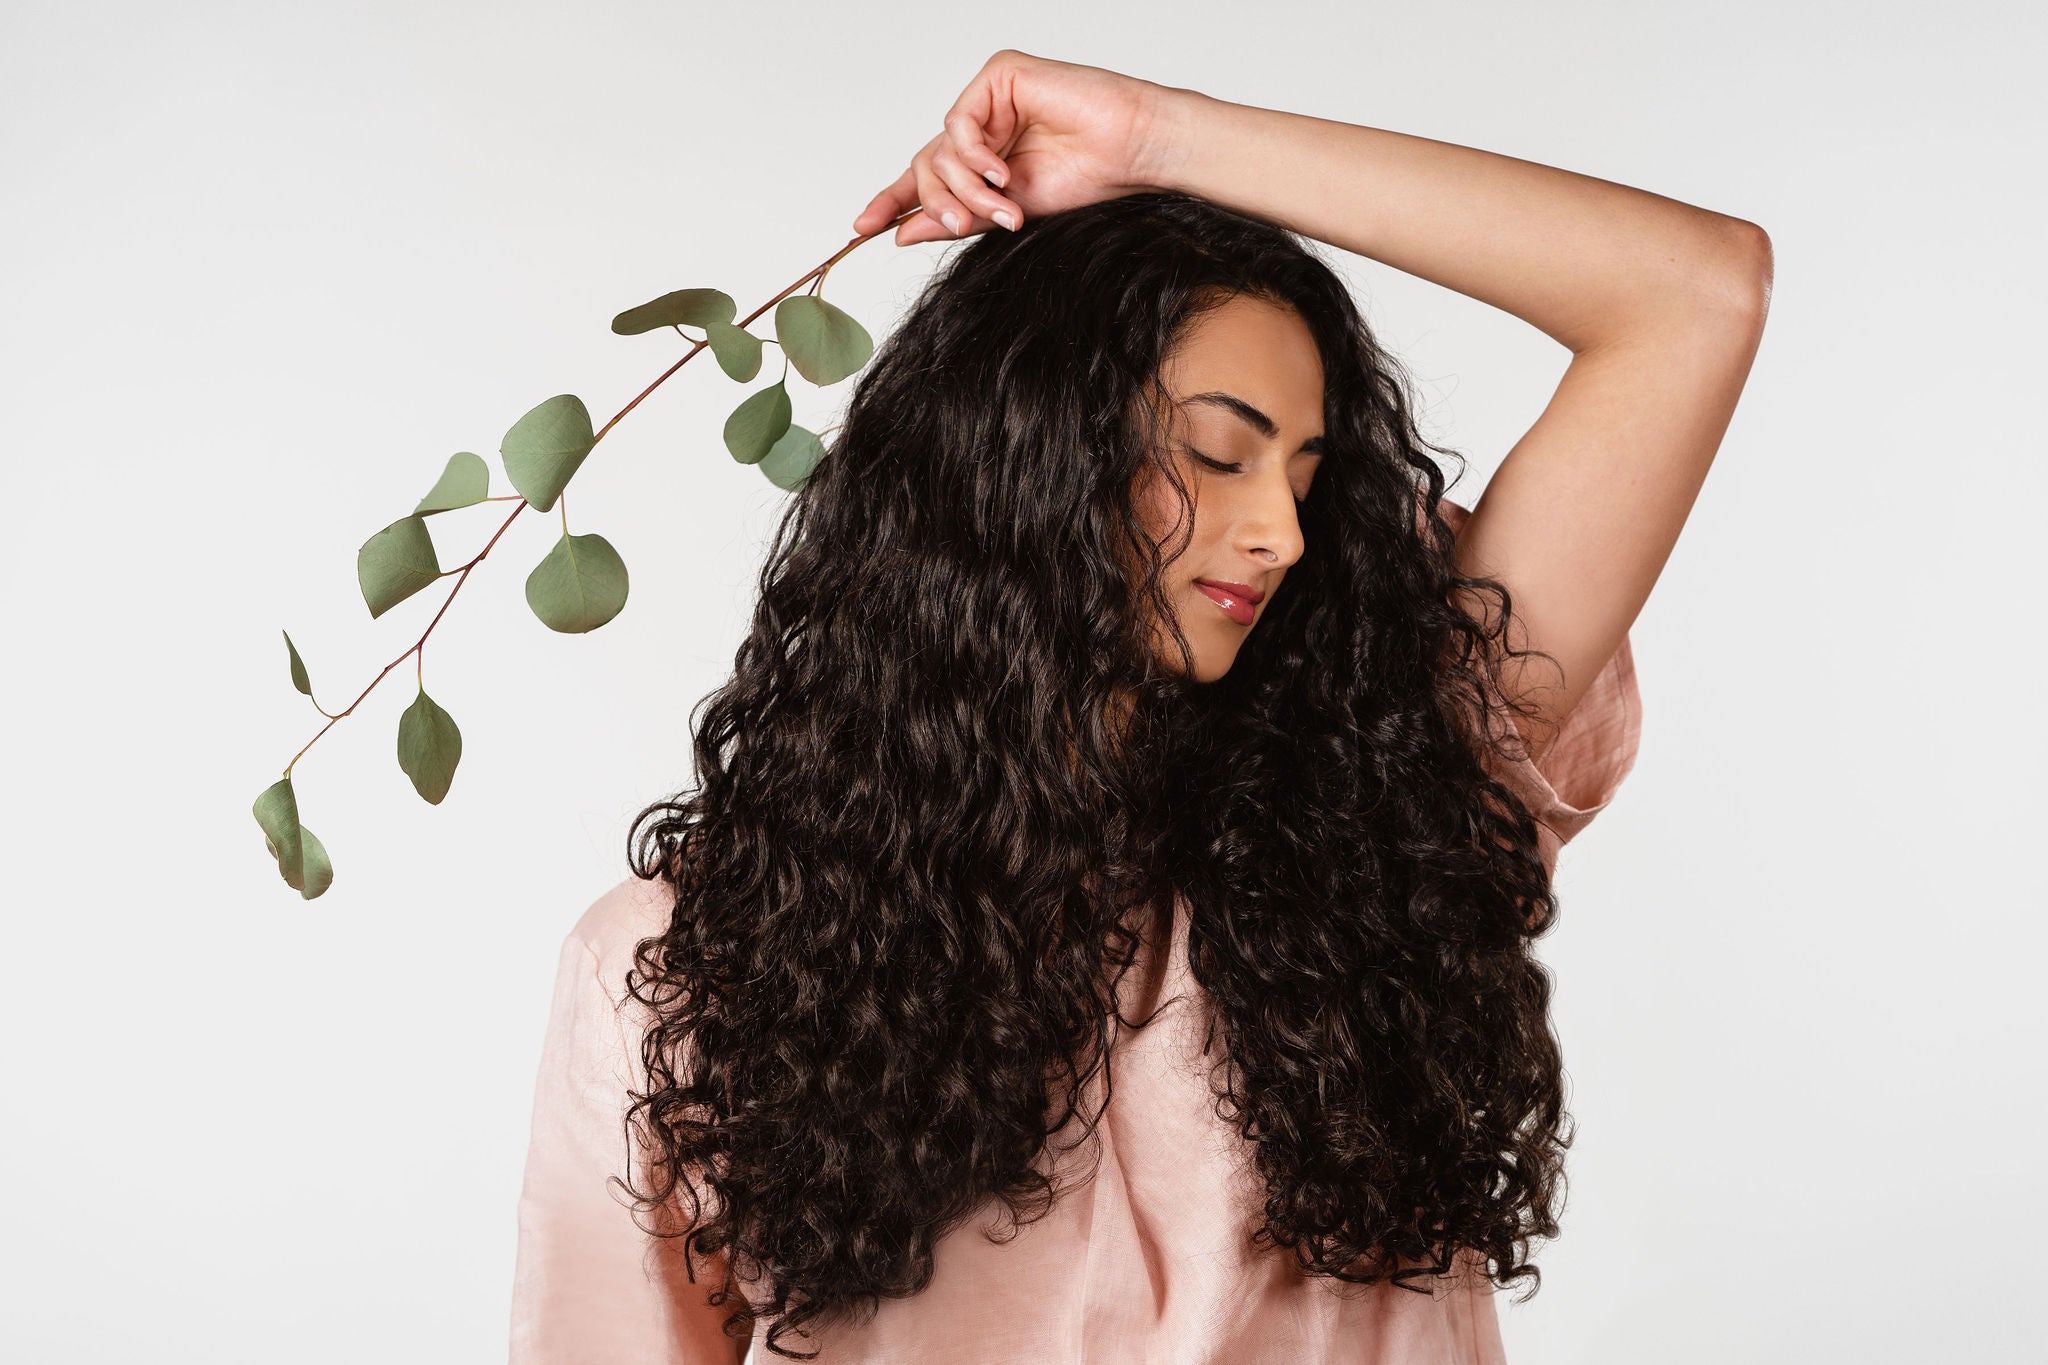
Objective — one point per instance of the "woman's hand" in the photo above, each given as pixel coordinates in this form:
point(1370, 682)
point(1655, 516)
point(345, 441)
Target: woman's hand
point(1050, 135)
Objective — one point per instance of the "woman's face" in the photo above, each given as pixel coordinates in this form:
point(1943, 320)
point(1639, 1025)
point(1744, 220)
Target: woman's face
point(1246, 433)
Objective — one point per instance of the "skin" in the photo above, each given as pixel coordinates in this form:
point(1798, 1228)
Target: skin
point(1246, 524)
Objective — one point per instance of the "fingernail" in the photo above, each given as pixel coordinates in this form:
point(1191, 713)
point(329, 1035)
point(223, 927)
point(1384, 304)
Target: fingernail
point(1003, 216)
point(952, 223)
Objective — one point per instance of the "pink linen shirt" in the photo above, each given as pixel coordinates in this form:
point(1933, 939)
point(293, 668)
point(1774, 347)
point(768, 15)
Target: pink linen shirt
point(1148, 1263)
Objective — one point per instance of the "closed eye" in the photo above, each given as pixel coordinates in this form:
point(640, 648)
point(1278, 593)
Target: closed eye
point(1223, 468)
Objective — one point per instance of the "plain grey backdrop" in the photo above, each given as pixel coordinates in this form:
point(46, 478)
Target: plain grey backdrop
point(268, 266)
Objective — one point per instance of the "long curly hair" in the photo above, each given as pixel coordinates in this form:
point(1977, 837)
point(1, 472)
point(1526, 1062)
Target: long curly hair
point(951, 763)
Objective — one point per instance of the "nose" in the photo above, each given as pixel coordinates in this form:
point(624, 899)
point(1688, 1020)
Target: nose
point(1270, 534)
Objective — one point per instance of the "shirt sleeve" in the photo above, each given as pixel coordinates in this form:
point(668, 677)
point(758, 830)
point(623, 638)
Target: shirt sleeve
point(590, 1286)
point(1594, 750)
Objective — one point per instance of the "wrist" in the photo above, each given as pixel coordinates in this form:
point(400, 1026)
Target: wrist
point(1168, 133)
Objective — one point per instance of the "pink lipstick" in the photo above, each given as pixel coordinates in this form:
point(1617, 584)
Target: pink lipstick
point(1237, 599)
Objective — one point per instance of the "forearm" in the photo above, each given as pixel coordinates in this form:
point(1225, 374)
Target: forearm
point(1586, 261)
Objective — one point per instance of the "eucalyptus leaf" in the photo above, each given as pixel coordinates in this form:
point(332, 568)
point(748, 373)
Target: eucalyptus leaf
point(396, 563)
point(790, 463)
point(464, 483)
point(579, 586)
point(544, 448)
point(429, 747)
point(825, 343)
point(684, 308)
point(758, 423)
point(299, 678)
point(301, 859)
point(277, 813)
point(737, 351)
point(319, 868)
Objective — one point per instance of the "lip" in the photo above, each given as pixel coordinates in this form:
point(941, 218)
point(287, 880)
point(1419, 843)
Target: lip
point(1236, 599)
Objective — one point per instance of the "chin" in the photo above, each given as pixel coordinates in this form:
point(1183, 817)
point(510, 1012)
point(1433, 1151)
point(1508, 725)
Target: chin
point(1211, 658)
point(1210, 665)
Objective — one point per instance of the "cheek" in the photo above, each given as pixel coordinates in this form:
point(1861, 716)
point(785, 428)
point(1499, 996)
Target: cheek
point(1167, 518)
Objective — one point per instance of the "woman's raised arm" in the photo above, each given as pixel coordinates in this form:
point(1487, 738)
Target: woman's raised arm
point(1661, 304)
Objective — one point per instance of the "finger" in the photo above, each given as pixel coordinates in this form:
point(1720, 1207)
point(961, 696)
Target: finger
point(923, 225)
point(948, 190)
point(984, 119)
point(920, 227)
point(964, 135)
point(890, 203)
point(938, 201)
point(970, 189)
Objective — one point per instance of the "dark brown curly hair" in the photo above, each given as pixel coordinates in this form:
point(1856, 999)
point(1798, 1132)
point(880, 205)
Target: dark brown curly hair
point(949, 765)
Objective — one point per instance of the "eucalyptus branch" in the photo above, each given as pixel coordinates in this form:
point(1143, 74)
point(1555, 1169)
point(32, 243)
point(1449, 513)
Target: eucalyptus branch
point(581, 583)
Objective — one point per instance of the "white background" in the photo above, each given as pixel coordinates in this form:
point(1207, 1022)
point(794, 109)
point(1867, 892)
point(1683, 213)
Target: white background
point(269, 265)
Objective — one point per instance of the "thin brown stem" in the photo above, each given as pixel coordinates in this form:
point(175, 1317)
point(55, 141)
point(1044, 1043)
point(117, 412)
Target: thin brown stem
point(817, 274)
point(462, 577)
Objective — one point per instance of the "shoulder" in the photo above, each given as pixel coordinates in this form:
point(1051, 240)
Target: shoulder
point(615, 923)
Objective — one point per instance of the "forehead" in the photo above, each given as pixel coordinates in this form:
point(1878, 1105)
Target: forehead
point(1260, 351)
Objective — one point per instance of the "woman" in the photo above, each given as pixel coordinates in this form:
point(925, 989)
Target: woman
point(1101, 926)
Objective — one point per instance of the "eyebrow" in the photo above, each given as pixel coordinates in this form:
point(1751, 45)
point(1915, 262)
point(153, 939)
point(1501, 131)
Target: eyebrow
point(1258, 421)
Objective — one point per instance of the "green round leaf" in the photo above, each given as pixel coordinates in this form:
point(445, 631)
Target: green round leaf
point(824, 343)
point(579, 586)
point(684, 308)
point(758, 423)
point(464, 483)
point(429, 747)
point(319, 868)
point(544, 448)
point(299, 678)
point(737, 350)
point(790, 463)
point(301, 859)
point(396, 563)
point(277, 814)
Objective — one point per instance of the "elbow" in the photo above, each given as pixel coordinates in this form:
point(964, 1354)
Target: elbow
point(1741, 285)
